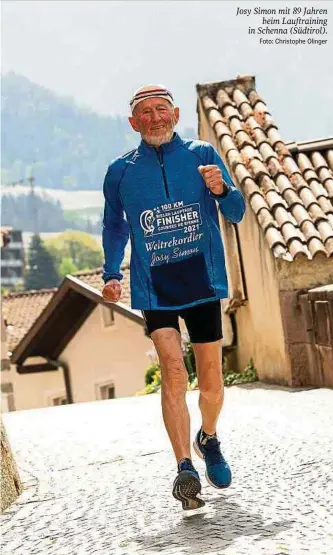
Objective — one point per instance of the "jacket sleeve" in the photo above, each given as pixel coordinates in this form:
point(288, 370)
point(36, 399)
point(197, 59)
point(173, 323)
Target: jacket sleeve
point(231, 202)
point(115, 229)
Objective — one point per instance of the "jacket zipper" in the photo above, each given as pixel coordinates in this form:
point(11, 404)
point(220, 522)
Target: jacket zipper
point(161, 161)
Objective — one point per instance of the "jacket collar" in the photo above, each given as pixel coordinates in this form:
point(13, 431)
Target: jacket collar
point(175, 142)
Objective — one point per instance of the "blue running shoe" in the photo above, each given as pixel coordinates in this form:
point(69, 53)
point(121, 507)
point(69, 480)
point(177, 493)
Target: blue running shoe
point(218, 473)
point(187, 486)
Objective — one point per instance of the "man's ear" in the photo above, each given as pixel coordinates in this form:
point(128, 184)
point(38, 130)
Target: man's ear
point(176, 113)
point(133, 123)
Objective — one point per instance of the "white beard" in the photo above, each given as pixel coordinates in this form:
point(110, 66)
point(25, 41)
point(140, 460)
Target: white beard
point(158, 140)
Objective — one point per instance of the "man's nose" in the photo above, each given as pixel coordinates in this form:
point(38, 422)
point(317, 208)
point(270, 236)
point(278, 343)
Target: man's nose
point(156, 116)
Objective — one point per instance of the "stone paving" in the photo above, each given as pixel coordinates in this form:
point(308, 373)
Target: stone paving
point(98, 479)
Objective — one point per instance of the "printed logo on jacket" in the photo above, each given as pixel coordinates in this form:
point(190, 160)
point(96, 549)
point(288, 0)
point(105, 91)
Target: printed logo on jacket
point(171, 218)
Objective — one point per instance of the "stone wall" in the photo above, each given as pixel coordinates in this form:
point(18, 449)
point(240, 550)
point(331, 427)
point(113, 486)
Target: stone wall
point(11, 486)
point(307, 318)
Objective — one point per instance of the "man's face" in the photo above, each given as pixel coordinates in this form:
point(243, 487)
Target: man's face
point(155, 120)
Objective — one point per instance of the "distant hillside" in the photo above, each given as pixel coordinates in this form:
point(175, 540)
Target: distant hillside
point(69, 147)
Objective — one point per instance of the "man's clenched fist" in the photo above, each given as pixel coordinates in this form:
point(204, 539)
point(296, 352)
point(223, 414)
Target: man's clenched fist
point(213, 178)
point(112, 291)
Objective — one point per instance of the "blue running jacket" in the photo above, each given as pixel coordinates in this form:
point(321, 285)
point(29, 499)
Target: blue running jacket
point(158, 199)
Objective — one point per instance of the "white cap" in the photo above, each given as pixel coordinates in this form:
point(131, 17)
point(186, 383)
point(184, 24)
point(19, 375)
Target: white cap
point(150, 91)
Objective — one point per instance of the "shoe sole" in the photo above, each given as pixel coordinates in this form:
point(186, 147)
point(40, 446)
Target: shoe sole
point(198, 452)
point(186, 489)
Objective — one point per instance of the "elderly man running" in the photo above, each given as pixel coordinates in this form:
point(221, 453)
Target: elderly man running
point(162, 195)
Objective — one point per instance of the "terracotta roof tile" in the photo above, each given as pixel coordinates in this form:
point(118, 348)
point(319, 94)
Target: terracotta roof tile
point(274, 137)
point(258, 202)
point(290, 232)
point(304, 163)
point(283, 217)
point(309, 229)
point(329, 158)
point(275, 200)
point(257, 168)
point(234, 158)
point(274, 237)
point(267, 152)
point(324, 174)
point(282, 252)
point(317, 188)
point(215, 118)
point(266, 219)
point(21, 310)
point(250, 186)
point(329, 188)
point(289, 185)
point(297, 249)
point(318, 160)
point(227, 144)
point(316, 246)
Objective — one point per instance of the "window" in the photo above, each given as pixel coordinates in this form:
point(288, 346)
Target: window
point(57, 401)
point(16, 236)
point(107, 391)
point(56, 398)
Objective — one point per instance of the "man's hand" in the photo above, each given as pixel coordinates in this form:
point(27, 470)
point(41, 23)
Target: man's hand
point(112, 291)
point(212, 176)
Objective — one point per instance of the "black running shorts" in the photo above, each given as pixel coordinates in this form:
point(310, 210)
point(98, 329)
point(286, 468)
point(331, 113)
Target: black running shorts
point(203, 321)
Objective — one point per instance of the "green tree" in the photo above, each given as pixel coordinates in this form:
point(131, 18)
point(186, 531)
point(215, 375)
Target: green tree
point(41, 272)
point(67, 267)
point(77, 246)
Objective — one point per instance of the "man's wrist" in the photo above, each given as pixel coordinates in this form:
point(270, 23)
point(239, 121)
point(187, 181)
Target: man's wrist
point(225, 191)
point(112, 278)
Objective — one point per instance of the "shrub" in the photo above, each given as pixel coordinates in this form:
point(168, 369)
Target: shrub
point(150, 373)
point(248, 375)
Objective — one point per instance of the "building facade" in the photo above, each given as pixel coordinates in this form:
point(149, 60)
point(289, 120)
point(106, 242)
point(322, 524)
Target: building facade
point(12, 259)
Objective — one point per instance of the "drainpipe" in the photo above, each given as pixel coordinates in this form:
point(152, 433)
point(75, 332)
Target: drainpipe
point(234, 329)
point(67, 379)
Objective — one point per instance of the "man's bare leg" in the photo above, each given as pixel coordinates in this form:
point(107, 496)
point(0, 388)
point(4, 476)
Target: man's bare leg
point(186, 486)
point(176, 417)
point(208, 357)
point(209, 368)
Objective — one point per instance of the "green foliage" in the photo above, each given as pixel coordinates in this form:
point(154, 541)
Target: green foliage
point(41, 271)
point(67, 267)
point(150, 373)
point(248, 375)
point(15, 288)
point(78, 247)
point(189, 361)
point(153, 372)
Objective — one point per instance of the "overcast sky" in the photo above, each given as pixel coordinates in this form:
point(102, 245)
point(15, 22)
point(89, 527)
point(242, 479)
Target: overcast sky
point(99, 52)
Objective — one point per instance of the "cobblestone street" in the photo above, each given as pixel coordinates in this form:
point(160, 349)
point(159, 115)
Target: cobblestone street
point(98, 479)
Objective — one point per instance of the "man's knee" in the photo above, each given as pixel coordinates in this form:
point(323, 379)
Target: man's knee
point(174, 376)
point(212, 388)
